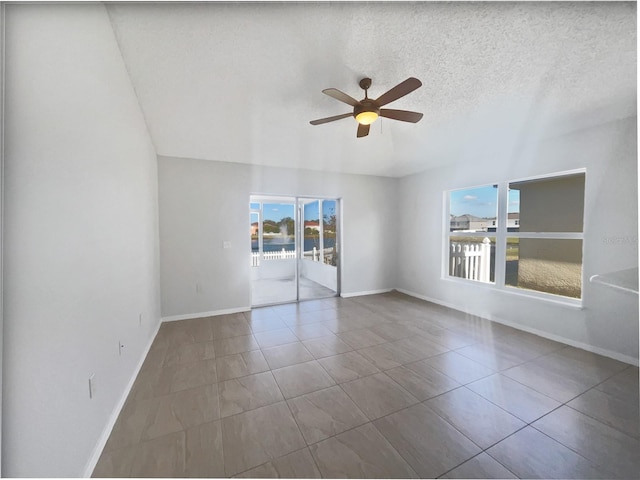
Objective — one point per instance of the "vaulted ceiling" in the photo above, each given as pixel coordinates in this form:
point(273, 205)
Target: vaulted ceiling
point(239, 82)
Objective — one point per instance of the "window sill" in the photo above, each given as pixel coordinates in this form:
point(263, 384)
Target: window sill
point(574, 304)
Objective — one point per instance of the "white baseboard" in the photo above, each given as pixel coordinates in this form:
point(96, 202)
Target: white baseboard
point(102, 441)
point(213, 313)
point(551, 336)
point(369, 292)
point(432, 300)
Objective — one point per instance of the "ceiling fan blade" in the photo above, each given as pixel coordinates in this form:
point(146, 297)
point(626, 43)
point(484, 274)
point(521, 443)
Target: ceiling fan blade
point(402, 115)
point(400, 90)
point(363, 130)
point(338, 95)
point(330, 119)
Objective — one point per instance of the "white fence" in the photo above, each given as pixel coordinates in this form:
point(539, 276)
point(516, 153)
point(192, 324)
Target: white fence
point(471, 260)
point(283, 254)
point(315, 255)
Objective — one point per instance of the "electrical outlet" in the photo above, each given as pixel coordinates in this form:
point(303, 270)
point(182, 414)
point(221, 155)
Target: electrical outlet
point(92, 385)
point(226, 244)
point(120, 347)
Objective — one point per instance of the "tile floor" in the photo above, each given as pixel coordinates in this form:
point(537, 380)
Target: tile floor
point(370, 387)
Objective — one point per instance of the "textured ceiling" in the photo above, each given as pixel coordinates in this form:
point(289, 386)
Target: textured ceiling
point(240, 82)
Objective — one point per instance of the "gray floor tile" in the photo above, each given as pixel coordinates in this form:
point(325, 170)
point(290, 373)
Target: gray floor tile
point(462, 369)
point(227, 326)
point(203, 451)
point(422, 381)
point(347, 366)
point(181, 410)
point(430, 445)
point(607, 447)
point(361, 338)
point(189, 353)
point(326, 346)
point(385, 356)
point(482, 466)
point(447, 338)
point(160, 457)
point(623, 385)
point(248, 393)
point(377, 395)
point(285, 355)
point(114, 463)
point(264, 319)
point(516, 398)
point(419, 347)
point(273, 338)
point(191, 375)
point(195, 330)
point(592, 363)
point(131, 423)
point(480, 420)
point(531, 454)
point(311, 331)
point(619, 413)
point(258, 436)
point(325, 413)
point(229, 346)
point(240, 365)
point(153, 381)
point(493, 356)
point(551, 380)
point(360, 453)
point(392, 332)
point(266, 323)
point(302, 378)
point(263, 313)
point(298, 464)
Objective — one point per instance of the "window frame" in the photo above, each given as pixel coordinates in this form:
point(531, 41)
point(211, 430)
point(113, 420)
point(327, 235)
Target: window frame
point(501, 235)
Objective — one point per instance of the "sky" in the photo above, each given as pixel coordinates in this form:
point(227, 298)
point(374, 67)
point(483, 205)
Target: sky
point(278, 211)
point(481, 202)
point(311, 209)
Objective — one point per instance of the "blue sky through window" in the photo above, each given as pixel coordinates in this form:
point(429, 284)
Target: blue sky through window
point(481, 201)
point(311, 211)
point(277, 211)
point(328, 208)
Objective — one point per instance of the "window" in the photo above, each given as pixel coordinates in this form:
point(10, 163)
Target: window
point(471, 249)
point(525, 235)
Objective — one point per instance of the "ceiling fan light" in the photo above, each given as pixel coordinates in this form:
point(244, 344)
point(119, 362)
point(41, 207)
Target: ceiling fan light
point(366, 117)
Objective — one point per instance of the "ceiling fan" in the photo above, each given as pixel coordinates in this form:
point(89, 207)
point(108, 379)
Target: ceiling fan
point(367, 110)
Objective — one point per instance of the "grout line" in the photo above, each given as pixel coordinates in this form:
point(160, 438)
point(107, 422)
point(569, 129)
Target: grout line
point(594, 462)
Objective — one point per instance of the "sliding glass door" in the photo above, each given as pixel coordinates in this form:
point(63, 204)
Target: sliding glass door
point(318, 264)
point(294, 249)
point(273, 250)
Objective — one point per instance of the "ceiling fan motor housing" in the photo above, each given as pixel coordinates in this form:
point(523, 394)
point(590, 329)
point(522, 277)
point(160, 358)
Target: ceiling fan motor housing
point(366, 105)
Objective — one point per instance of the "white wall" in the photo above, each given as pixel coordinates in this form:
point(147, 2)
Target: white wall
point(81, 236)
point(608, 323)
point(320, 272)
point(203, 203)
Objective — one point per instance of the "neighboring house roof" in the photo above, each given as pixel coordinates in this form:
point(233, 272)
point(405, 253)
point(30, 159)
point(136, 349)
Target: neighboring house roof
point(469, 218)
